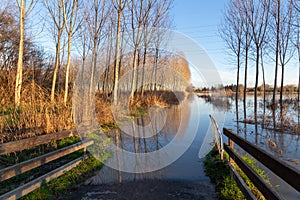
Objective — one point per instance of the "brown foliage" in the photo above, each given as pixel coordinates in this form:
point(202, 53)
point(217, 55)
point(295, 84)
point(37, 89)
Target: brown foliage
point(103, 109)
point(160, 98)
point(35, 116)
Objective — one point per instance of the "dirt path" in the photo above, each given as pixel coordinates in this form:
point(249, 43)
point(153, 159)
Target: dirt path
point(146, 190)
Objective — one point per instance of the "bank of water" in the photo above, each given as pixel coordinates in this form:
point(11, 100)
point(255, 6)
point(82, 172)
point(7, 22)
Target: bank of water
point(183, 129)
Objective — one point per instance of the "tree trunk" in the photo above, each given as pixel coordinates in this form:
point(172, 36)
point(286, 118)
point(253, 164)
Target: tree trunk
point(256, 82)
point(155, 69)
point(18, 85)
point(299, 88)
point(281, 92)
point(116, 74)
point(298, 49)
point(264, 86)
point(276, 64)
point(245, 83)
point(93, 69)
point(69, 29)
point(107, 71)
point(277, 52)
point(143, 70)
point(238, 82)
point(281, 85)
point(133, 82)
point(68, 68)
point(56, 66)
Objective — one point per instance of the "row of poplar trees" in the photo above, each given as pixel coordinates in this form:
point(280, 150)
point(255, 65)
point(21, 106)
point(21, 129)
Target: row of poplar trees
point(259, 30)
point(79, 31)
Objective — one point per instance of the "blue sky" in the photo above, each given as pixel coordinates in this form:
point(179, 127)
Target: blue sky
point(199, 19)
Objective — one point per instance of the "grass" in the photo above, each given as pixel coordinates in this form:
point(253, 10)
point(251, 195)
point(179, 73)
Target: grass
point(17, 157)
point(62, 185)
point(28, 176)
point(225, 185)
point(106, 128)
point(37, 115)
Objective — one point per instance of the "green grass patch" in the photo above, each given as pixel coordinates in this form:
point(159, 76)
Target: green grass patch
point(16, 181)
point(226, 187)
point(17, 157)
point(218, 172)
point(139, 112)
point(106, 128)
point(62, 185)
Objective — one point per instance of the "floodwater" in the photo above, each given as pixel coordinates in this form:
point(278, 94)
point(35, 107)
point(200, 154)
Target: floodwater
point(169, 144)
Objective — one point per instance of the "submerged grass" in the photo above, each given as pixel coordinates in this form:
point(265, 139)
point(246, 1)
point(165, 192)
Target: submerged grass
point(226, 186)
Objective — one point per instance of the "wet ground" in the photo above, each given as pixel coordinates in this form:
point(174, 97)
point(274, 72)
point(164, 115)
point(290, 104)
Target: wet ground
point(146, 190)
point(183, 178)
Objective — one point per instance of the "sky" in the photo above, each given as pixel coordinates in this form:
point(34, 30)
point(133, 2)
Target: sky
point(200, 20)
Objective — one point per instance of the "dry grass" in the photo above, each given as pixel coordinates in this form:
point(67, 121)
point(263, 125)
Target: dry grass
point(161, 98)
point(103, 109)
point(35, 116)
point(139, 103)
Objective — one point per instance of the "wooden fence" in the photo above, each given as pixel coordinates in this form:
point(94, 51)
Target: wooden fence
point(286, 172)
point(25, 166)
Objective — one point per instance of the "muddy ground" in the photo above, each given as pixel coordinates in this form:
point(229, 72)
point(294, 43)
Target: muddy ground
point(145, 190)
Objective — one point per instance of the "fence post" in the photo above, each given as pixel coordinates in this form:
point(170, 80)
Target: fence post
point(230, 143)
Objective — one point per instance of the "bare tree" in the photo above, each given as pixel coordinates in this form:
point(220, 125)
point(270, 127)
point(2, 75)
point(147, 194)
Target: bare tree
point(96, 22)
point(156, 17)
point(285, 49)
point(161, 21)
point(24, 10)
point(297, 45)
point(55, 9)
point(246, 45)
point(257, 13)
point(136, 10)
point(119, 7)
point(148, 36)
point(83, 41)
point(232, 33)
point(70, 10)
point(277, 17)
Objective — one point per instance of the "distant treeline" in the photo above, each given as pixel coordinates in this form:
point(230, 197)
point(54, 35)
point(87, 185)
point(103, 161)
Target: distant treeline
point(233, 88)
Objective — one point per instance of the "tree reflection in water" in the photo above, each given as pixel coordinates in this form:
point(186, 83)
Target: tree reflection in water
point(146, 134)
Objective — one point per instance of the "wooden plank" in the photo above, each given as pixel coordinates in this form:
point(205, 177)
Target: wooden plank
point(241, 184)
point(231, 145)
point(38, 161)
point(32, 185)
point(259, 182)
point(9, 147)
point(289, 174)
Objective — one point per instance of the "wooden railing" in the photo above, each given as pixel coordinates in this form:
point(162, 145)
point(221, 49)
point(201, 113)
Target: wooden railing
point(286, 172)
point(28, 165)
